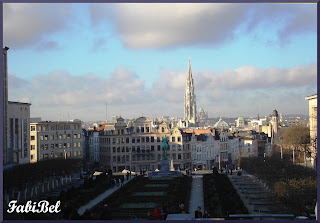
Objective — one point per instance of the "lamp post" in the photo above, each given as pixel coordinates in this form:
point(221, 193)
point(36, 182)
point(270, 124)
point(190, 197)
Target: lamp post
point(281, 153)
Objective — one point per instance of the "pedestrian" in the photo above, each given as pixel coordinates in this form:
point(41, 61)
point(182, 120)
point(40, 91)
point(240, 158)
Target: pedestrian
point(221, 170)
point(149, 216)
point(181, 209)
point(119, 182)
point(198, 213)
point(106, 214)
point(127, 176)
point(206, 214)
point(231, 171)
point(226, 170)
point(122, 179)
point(157, 213)
point(130, 174)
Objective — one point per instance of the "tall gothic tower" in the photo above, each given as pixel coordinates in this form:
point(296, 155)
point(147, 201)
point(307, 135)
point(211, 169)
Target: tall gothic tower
point(190, 108)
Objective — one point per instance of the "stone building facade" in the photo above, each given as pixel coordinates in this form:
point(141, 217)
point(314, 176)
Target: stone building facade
point(50, 140)
point(138, 146)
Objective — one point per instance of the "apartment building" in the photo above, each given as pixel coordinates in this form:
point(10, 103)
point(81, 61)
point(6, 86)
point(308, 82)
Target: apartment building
point(55, 139)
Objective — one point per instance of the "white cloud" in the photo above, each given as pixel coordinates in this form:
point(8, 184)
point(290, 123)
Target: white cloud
point(31, 23)
point(152, 26)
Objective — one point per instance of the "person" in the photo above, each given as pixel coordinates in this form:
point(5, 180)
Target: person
point(226, 170)
point(66, 212)
point(206, 214)
point(130, 174)
point(157, 213)
point(198, 213)
point(149, 216)
point(231, 171)
point(127, 175)
point(181, 209)
point(106, 214)
point(221, 170)
point(122, 179)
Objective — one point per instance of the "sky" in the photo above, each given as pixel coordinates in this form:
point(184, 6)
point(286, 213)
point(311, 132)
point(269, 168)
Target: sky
point(70, 60)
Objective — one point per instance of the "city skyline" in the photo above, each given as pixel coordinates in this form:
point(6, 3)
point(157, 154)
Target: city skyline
point(134, 57)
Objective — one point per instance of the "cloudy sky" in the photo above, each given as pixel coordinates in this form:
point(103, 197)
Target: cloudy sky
point(69, 60)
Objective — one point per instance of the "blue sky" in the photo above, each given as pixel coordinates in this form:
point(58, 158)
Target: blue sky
point(246, 58)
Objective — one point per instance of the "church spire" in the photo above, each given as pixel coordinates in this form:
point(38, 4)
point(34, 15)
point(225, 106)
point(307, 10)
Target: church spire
point(190, 109)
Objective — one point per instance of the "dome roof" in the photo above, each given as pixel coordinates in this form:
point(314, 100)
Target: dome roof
point(201, 110)
point(275, 113)
point(221, 124)
point(240, 119)
point(142, 119)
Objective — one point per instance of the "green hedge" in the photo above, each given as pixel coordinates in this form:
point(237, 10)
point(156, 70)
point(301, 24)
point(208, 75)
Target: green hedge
point(220, 197)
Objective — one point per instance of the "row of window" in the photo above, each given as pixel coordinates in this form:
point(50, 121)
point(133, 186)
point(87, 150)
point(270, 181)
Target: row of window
point(146, 157)
point(54, 127)
point(57, 146)
point(57, 137)
point(59, 155)
point(142, 148)
point(137, 140)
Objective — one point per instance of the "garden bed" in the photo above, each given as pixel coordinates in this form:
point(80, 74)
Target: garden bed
point(220, 197)
point(124, 203)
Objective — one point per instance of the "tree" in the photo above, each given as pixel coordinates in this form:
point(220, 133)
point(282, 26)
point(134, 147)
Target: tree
point(298, 138)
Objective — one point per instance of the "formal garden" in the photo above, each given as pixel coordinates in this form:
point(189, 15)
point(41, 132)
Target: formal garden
point(142, 194)
point(220, 197)
point(295, 186)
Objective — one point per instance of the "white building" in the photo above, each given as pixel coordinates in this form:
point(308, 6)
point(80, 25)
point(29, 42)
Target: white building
point(94, 147)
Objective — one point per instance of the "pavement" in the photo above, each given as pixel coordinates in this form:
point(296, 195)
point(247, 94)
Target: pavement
point(196, 197)
point(100, 198)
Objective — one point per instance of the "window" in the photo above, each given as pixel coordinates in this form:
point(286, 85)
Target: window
point(158, 139)
point(79, 136)
point(137, 130)
point(159, 156)
point(32, 157)
point(33, 147)
point(127, 140)
point(173, 147)
point(51, 146)
point(133, 140)
point(133, 148)
point(114, 149)
point(69, 136)
point(74, 145)
point(74, 136)
point(142, 129)
point(46, 137)
point(118, 149)
point(79, 144)
point(162, 129)
point(142, 139)
point(32, 138)
point(179, 139)
point(179, 147)
point(152, 139)
point(75, 154)
point(57, 146)
point(41, 138)
point(60, 136)
point(127, 149)
point(179, 156)
point(152, 148)
point(51, 137)
point(64, 136)
point(79, 153)
point(133, 157)
point(33, 128)
point(174, 156)
point(152, 157)
point(147, 129)
point(158, 148)
point(46, 146)
point(138, 139)
point(173, 139)
point(64, 145)
point(68, 145)
point(147, 139)
point(127, 158)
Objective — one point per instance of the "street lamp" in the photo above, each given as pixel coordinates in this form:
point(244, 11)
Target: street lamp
point(281, 154)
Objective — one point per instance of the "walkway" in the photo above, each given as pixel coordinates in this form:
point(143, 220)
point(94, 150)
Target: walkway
point(196, 197)
point(99, 198)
